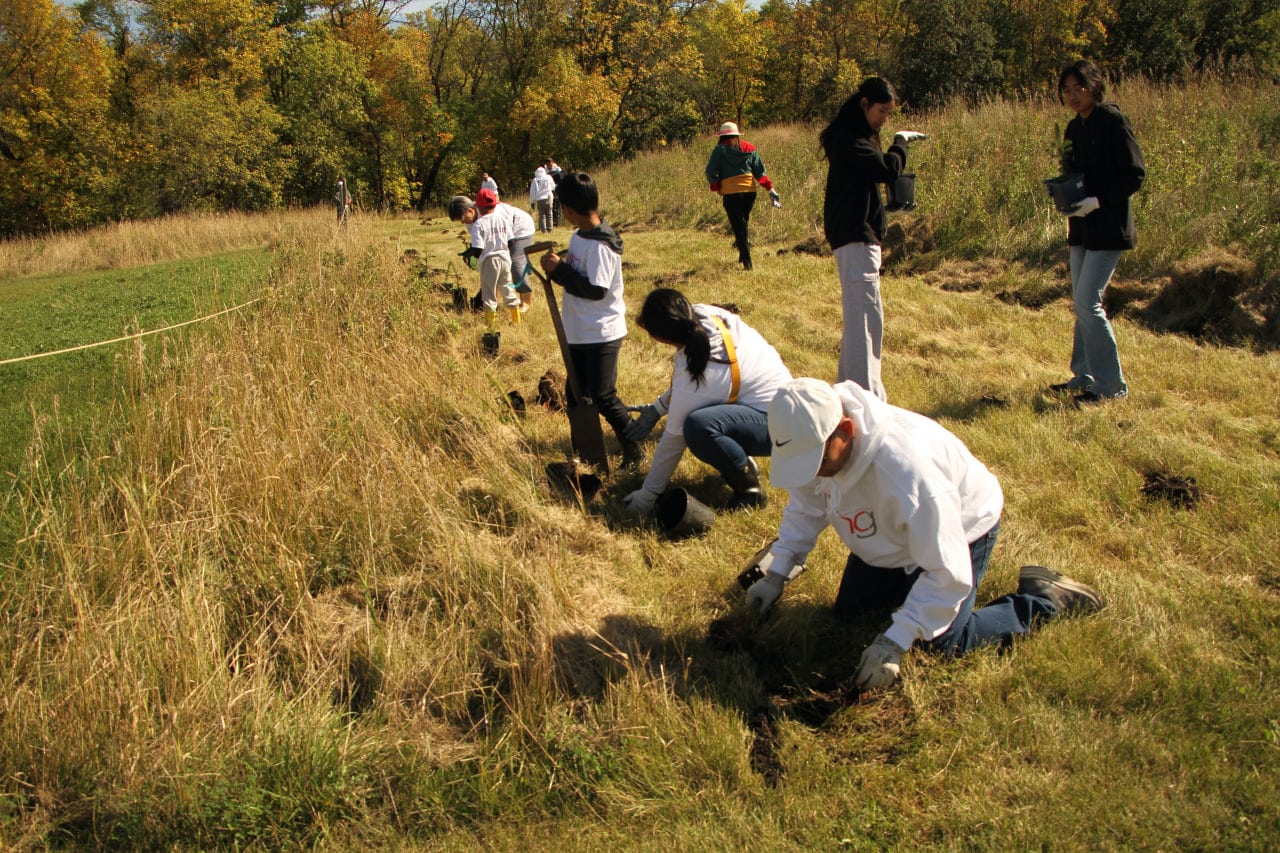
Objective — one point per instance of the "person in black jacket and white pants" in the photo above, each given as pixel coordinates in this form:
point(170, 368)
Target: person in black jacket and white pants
point(1103, 148)
point(854, 220)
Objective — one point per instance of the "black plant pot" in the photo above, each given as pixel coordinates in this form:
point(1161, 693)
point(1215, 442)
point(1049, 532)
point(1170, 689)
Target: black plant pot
point(1067, 191)
point(489, 341)
point(902, 193)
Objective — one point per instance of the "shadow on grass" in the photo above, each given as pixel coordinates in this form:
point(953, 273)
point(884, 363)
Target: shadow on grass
point(793, 665)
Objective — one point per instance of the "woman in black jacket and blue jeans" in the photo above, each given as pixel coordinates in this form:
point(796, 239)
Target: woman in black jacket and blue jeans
point(1104, 150)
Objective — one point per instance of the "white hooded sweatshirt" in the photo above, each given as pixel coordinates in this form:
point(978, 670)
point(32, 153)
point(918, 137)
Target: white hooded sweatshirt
point(911, 496)
point(542, 187)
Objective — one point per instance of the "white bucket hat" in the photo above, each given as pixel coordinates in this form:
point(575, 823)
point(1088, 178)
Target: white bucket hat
point(729, 129)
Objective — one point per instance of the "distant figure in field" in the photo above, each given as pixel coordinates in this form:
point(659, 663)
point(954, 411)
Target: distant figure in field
point(542, 190)
point(733, 170)
point(556, 173)
point(491, 235)
point(853, 218)
point(1100, 228)
point(488, 183)
point(342, 202)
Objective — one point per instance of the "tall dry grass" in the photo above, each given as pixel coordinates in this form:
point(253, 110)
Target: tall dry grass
point(131, 244)
point(311, 588)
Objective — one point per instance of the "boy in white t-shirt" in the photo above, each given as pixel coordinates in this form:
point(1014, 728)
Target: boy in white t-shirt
point(592, 308)
point(491, 232)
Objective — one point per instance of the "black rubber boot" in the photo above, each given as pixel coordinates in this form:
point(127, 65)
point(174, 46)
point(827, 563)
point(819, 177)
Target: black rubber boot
point(745, 482)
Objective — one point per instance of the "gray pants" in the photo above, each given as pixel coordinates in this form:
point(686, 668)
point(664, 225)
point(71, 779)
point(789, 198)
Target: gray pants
point(860, 346)
point(495, 278)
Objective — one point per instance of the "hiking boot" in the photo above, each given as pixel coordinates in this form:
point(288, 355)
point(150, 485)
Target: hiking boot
point(1068, 596)
point(1091, 398)
point(1064, 388)
point(745, 482)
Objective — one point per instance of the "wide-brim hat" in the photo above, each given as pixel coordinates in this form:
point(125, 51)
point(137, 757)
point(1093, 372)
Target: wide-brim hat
point(729, 129)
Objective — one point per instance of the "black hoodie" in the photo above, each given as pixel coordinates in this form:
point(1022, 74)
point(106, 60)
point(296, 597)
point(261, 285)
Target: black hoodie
point(1105, 150)
point(853, 211)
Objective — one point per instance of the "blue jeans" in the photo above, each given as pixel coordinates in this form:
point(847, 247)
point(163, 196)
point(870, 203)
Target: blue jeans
point(1095, 359)
point(868, 589)
point(724, 436)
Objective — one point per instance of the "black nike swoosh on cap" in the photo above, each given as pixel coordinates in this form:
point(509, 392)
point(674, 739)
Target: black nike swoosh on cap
point(777, 443)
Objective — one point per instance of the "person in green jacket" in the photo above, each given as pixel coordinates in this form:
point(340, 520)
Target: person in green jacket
point(734, 170)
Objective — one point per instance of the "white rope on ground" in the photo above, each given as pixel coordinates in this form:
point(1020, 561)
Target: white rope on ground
point(129, 337)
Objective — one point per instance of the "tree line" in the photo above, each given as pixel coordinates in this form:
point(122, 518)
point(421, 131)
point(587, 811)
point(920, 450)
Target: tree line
point(120, 109)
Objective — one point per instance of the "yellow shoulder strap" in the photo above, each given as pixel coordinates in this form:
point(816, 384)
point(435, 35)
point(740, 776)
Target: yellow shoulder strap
point(735, 377)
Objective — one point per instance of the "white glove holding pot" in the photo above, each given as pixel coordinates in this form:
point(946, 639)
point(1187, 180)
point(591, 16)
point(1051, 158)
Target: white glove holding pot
point(1085, 207)
point(880, 664)
point(906, 137)
point(640, 502)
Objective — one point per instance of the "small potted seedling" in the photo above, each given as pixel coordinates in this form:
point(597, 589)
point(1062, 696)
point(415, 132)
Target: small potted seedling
point(1067, 189)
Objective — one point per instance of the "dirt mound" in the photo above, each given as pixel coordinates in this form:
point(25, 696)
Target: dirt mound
point(906, 240)
point(815, 246)
point(1217, 296)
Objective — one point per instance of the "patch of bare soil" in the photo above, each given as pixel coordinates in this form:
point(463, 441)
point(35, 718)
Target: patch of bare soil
point(1182, 492)
point(765, 746)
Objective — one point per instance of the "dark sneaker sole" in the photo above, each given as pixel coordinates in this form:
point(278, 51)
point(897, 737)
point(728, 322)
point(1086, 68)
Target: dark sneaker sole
point(1044, 574)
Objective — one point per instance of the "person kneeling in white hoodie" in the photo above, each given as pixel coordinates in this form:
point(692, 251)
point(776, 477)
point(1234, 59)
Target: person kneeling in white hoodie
point(919, 514)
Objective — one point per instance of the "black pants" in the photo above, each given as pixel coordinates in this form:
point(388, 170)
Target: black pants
point(738, 207)
point(866, 591)
point(597, 369)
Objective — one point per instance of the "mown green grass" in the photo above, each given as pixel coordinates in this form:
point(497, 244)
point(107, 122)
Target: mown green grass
point(312, 588)
point(53, 312)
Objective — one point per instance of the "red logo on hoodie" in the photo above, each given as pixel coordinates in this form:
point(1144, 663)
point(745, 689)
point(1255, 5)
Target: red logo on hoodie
point(862, 525)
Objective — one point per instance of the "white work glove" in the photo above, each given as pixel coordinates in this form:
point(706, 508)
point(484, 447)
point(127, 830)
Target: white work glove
point(906, 137)
point(640, 502)
point(764, 592)
point(776, 199)
point(880, 664)
point(649, 416)
point(1085, 207)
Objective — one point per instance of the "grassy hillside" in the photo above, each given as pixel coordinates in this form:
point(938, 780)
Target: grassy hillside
point(312, 588)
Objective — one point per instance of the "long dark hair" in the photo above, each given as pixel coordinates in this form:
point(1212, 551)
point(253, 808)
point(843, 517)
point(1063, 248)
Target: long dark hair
point(668, 316)
point(851, 118)
point(1089, 75)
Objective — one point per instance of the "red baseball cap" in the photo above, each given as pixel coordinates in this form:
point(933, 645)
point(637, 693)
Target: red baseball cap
point(486, 199)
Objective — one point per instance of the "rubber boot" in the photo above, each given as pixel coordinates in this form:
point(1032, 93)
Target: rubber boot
point(745, 482)
point(513, 314)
